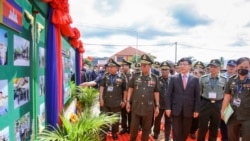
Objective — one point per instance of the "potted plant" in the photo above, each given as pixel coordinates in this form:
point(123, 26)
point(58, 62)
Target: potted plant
point(83, 127)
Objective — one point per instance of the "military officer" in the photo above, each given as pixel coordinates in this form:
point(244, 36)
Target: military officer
point(113, 93)
point(199, 64)
point(198, 71)
point(164, 81)
point(125, 116)
point(137, 68)
point(156, 69)
point(212, 90)
point(237, 94)
point(144, 91)
point(230, 71)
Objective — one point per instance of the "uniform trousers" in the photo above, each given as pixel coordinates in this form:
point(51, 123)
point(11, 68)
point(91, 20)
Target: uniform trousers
point(112, 110)
point(167, 124)
point(125, 119)
point(209, 118)
point(237, 127)
point(223, 130)
point(146, 124)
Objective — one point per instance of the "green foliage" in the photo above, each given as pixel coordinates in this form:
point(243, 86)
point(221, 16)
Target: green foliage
point(87, 62)
point(87, 128)
point(86, 96)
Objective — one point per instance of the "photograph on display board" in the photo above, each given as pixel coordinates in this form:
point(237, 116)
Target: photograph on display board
point(23, 128)
point(67, 92)
point(3, 47)
point(72, 60)
point(42, 85)
point(41, 57)
point(3, 97)
point(41, 118)
point(21, 51)
point(21, 91)
point(4, 134)
point(67, 59)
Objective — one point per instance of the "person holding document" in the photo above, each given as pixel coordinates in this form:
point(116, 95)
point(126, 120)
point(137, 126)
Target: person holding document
point(237, 95)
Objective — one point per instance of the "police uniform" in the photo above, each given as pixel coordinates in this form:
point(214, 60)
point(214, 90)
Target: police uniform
point(114, 86)
point(143, 101)
point(212, 93)
point(125, 116)
point(163, 81)
point(240, 102)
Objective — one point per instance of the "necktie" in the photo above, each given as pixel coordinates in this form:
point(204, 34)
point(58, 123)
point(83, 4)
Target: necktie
point(184, 81)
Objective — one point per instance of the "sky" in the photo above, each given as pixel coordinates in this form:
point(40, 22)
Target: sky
point(167, 29)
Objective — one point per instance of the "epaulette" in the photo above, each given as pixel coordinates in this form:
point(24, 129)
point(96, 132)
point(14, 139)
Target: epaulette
point(154, 75)
point(221, 75)
point(234, 76)
point(206, 75)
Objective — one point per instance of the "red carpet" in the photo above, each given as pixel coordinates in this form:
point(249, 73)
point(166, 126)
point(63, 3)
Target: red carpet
point(125, 137)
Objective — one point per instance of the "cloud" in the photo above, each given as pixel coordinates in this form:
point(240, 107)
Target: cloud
point(247, 25)
point(188, 17)
point(107, 7)
point(239, 43)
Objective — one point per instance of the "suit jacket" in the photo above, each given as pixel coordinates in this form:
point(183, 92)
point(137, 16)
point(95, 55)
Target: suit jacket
point(183, 102)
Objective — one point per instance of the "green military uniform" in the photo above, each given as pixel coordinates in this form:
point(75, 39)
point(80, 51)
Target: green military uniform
point(114, 86)
point(163, 85)
point(240, 101)
point(125, 116)
point(143, 101)
point(212, 93)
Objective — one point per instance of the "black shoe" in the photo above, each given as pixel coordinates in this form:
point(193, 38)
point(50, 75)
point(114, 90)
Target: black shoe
point(193, 136)
point(123, 131)
point(155, 136)
point(114, 136)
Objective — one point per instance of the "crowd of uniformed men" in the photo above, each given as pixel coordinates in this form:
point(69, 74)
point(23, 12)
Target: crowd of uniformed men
point(192, 98)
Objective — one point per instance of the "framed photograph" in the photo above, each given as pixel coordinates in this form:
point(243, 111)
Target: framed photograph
point(41, 118)
point(3, 47)
point(42, 85)
point(21, 91)
point(41, 57)
point(4, 134)
point(21, 51)
point(3, 97)
point(23, 128)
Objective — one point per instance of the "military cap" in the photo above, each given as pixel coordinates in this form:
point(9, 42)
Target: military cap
point(215, 62)
point(199, 64)
point(125, 62)
point(145, 59)
point(137, 65)
point(112, 62)
point(165, 65)
point(156, 63)
point(231, 63)
point(171, 63)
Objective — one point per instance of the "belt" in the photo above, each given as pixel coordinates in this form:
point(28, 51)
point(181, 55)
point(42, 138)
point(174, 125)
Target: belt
point(212, 100)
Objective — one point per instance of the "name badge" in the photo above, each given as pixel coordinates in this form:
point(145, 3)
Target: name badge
point(212, 95)
point(110, 89)
point(237, 101)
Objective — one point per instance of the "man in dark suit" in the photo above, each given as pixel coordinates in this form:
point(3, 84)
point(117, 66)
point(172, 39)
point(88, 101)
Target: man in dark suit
point(183, 100)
